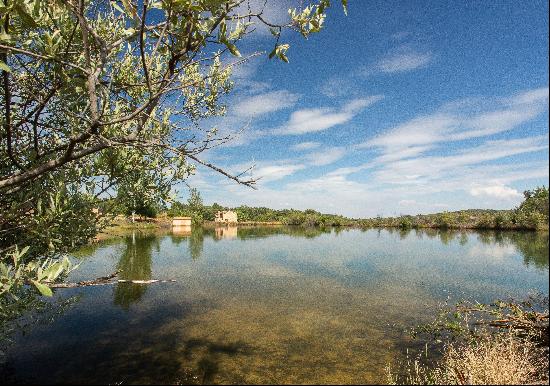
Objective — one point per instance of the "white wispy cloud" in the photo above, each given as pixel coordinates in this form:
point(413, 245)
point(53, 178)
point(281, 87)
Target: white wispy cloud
point(407, 202)
point(306, 146)
point(319, 119)
point(272, 170)
point(455, 123)
point(261, 104)
point(276, 172)
point(498, 191)
point(399, 36)
point(421, 170)
point(340, 86)
point(325, 157)
point(404, 61)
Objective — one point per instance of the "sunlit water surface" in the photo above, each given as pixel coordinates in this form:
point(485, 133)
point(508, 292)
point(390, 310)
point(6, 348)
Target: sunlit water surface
point(266, 305)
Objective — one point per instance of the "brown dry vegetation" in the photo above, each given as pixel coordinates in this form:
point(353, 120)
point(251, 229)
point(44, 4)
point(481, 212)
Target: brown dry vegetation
point(505, 343)
point(505, 360)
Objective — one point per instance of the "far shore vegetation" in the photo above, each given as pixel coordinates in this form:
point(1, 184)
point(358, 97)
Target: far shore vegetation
point(531, 214)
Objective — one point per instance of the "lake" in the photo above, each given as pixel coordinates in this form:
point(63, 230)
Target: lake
point(265, 305)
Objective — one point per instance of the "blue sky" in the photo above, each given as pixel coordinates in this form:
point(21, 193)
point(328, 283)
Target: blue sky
point(399, 108)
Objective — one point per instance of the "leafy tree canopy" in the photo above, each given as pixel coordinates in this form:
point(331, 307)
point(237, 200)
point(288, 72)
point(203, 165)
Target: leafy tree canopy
point(100, 97)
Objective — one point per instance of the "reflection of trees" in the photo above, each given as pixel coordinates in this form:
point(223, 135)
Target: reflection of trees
point(444, 235)
point(431, 233)
point(134, 264)
point(403, 233)
point(463, 240)
point(494, 237)
point(533, 246)
point(447, 235)
point(91, 248)
point(259, 232)
point(307, 232)
point(196, 241)
point(294, 231)
point(177, 239)
point(338, 230)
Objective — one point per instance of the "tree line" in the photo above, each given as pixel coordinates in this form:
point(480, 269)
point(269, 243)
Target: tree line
point(531, 214)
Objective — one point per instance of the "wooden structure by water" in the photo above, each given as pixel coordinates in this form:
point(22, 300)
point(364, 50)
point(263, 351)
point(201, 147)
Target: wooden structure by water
point(181, 221)
point(181, 226)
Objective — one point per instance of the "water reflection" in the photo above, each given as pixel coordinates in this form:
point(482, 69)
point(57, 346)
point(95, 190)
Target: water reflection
point(229, 232)
point(404, 233)
point(196, 236)
point(196, 242)
point(533, 246)
point(182, 230)
point(134, 264)
point(272, 304)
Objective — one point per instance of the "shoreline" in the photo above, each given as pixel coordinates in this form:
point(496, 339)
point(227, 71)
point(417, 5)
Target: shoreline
point(122, 228)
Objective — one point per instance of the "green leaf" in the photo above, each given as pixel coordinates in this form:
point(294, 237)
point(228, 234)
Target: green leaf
point(232, 48)
point(129, 8)
point(4, 66)
point(25, 17)
point(345, 5)
point(43, 288)
point(53, 271)
point(117, 7)
point(23, 251)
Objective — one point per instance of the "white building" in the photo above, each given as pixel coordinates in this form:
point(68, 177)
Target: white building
point(226, 216)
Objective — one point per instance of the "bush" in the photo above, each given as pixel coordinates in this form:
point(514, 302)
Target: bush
point(406, 223)
point(443, 220)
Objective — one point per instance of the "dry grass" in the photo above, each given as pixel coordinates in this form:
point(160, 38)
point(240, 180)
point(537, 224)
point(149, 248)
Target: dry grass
point(502, 360)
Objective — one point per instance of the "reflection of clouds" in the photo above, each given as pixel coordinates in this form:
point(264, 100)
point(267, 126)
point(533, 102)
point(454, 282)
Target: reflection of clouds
point(495, 251)
point(277, 271)
point(295, 305)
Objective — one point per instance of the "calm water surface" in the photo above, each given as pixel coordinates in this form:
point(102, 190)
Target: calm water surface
point(266, 305)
